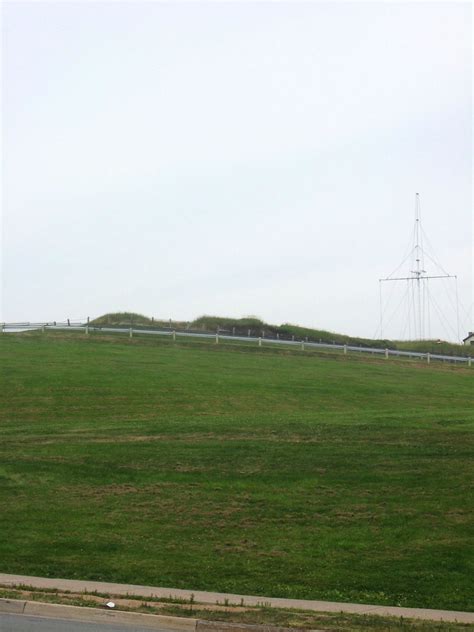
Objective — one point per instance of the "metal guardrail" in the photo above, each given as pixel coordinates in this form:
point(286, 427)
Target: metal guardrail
point(302, 344)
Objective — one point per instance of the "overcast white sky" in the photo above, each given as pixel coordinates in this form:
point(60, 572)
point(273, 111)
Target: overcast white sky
point(232, 158)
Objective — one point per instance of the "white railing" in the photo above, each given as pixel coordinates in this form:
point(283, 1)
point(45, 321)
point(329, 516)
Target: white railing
point(217, 337)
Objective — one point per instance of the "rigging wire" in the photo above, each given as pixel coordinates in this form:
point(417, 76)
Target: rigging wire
point(457, 309)
point(453, 297)
point(385, 308)
point(401, 302)
point(429, 314)
point(398, 267)
point(442, 318)
point(407, 319)
point(432, 250)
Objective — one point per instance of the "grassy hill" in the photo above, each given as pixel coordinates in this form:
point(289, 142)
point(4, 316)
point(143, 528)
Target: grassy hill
point(122, 318)
point(242, 470)
point(132, 319)
point(256, 326)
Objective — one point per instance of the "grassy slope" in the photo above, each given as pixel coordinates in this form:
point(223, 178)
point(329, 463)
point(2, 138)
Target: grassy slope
point(242, 326)
point(209, 467)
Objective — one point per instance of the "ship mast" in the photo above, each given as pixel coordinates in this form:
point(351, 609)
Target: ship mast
point(417, 291)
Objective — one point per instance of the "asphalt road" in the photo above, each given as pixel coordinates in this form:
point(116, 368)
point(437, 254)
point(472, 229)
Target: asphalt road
point(24, 623)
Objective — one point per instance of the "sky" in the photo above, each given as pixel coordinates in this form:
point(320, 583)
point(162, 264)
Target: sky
point(234, 158)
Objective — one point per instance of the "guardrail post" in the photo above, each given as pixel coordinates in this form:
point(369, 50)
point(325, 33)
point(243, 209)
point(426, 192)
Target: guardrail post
point(386, 354)
point(86, 332)
point(248, 333)
point(428, 357)
point(302, 345)
point(278, 336)
point(293, 337)
point(217, 339)
point(130, 332)
point(345, 349)
point(260, 342)
point(469, 361)
point(233, 331)
point(174, 335)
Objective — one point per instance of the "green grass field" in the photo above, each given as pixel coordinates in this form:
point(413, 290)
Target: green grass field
point(257, 471)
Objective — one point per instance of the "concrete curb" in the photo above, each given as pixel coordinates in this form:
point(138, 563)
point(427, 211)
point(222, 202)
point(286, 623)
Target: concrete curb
point(138, 619)
point(221, 626)
point(12, 606)
point(199, 596)
point(97, 615)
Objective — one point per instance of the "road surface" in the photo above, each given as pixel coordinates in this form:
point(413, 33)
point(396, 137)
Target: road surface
point(25, 623)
